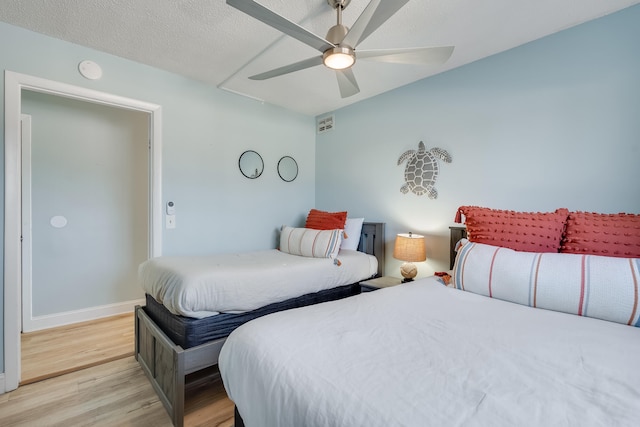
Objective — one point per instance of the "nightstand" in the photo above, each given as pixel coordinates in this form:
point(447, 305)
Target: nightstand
point(379, 283)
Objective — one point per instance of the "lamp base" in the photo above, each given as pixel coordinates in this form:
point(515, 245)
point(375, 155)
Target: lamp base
point(408, 270)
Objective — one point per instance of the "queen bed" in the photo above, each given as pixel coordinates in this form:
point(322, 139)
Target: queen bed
point(527, 338)
point(193, 303)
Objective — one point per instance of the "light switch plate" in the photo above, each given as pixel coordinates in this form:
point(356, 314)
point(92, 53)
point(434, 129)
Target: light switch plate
point(170, 221)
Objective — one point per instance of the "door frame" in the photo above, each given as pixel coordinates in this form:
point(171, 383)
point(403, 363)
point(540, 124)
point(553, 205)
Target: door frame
point(25, 215)
point(14, 83)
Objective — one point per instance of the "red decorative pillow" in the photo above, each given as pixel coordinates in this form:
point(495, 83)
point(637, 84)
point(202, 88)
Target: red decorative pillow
point(520, 231)
point(321, 220)
point(616, 235)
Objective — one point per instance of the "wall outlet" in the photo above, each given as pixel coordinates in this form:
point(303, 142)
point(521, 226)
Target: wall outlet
point(170, 221)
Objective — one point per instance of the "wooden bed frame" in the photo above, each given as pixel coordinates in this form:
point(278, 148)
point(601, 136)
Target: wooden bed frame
point(167, 364)
point(456, 233)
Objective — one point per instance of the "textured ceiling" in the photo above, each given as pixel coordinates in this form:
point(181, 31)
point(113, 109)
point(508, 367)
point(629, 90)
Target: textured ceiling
point(209, 41)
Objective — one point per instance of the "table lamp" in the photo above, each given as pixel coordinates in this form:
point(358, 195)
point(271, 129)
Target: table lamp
point(409, 248)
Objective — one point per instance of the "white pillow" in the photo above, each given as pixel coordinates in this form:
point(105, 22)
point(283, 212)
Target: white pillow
point(352, 230)
point(309, 242)
point(587, 285)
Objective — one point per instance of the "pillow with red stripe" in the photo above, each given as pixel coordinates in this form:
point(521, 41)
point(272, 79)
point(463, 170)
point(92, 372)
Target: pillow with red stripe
point(310, 243)
point(586, 285)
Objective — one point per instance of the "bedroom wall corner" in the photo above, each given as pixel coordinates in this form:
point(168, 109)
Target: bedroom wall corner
point(553, 123)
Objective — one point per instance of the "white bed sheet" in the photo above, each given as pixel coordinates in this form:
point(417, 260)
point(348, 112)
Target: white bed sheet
point(234, 283)
point(422, 354)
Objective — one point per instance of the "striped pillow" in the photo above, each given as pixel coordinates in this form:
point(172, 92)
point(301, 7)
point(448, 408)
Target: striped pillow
point(587, 285)
point(310, 243)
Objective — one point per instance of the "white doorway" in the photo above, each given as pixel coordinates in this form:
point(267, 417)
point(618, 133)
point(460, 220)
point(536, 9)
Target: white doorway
point(15, 86)
point(85, 209)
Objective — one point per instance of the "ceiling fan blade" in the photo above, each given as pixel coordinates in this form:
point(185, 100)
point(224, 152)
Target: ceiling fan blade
point(374, 15)
point(296, 66)
point(418, 55)
point(280, 23)
point(347, 83)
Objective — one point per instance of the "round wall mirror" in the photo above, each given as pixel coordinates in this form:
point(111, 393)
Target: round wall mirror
point(287, 168)
point(251, 164)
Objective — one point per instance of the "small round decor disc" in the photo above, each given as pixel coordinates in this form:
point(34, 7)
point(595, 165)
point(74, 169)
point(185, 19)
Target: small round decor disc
point(90, 70)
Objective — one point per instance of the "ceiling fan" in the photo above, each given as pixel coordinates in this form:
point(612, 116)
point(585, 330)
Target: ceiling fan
point(338, 48)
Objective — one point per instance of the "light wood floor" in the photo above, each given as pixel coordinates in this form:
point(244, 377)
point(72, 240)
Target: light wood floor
point(112, 393)
point(57, 351)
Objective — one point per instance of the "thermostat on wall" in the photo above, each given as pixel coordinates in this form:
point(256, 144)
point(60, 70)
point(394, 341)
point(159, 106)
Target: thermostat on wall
point(90, 70)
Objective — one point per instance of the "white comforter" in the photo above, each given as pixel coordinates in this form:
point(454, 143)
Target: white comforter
point(422, 354)
point(234, 283)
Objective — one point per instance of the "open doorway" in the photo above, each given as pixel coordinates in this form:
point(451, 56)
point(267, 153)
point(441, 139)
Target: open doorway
point(16, 85)
point(85, 221)
point(85, 228)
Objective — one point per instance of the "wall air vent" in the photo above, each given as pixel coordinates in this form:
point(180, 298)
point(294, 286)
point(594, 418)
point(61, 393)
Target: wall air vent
point(325, 124)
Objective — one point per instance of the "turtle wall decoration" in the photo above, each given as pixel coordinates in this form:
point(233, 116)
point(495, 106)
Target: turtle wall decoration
point(421, 171)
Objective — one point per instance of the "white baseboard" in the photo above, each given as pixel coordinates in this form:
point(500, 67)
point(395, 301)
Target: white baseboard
point(2, 386)
point(69, 317)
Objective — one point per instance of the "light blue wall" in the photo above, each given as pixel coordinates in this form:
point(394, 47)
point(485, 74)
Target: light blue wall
point(554, 123)
point(204, 132)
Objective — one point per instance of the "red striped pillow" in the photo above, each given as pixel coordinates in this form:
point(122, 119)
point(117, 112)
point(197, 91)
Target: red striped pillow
point(310, 243)
point(586, 285)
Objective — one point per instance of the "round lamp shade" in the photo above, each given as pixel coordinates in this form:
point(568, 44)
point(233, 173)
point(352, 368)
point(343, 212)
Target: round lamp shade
point(410, 247)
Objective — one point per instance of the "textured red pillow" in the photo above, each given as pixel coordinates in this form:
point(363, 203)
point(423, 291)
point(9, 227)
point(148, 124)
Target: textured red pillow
point(321, 220)
point(520, 231)
point(616, 235)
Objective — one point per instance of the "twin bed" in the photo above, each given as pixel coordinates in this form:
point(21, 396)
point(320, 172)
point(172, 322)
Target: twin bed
point(194, 303)
point(539, 327)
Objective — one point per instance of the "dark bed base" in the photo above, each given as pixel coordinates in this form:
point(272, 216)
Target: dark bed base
point(166, 363)
point(188, 332)
point(237, 419)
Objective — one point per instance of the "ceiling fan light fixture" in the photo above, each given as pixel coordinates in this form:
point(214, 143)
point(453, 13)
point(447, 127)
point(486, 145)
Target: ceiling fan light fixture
point(339, 58)
point(338, 48)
